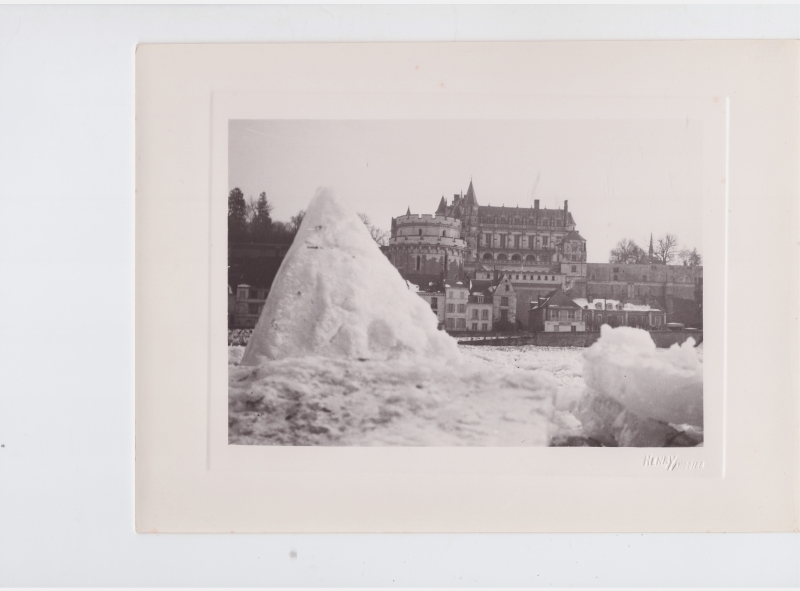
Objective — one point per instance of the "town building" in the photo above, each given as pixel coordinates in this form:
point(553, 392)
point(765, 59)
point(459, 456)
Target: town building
point(598, 312)
point(247, 306)
point(556, 312)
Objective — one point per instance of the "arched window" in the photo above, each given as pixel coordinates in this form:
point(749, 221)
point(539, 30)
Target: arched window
point(501, 257)
point(530, 258)
point(442, 233)
point(516, 257)
point(487, 256)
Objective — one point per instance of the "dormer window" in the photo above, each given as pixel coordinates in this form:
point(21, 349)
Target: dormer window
point(598, 306)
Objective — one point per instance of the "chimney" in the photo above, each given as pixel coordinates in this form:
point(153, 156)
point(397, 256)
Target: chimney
point(566, 211)
point(536, 204)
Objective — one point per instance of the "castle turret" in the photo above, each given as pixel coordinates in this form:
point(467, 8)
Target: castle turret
point(427, 245)
point(442, 209)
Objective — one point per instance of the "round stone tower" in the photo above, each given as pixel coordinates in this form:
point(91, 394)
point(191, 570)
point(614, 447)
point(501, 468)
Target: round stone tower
point(427, 246)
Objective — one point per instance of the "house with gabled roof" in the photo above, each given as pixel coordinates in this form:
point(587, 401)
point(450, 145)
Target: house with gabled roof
point(556, 312)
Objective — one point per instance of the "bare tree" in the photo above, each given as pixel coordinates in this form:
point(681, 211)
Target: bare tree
point(691, 258)
point(627, 252)
point(296, 220)
point(665, 250)
point(378, 235)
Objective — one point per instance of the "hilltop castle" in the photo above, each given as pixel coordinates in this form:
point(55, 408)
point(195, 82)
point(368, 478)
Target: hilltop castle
point(538, 250)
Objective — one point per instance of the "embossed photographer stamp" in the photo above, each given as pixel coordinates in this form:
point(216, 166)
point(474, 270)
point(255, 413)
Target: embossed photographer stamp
point(671, 463)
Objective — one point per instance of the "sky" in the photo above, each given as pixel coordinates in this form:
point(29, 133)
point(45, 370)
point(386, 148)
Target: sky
point(623, 178)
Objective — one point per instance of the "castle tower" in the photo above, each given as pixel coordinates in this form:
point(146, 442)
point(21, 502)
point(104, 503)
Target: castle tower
point(427, 247)
point(469, 222)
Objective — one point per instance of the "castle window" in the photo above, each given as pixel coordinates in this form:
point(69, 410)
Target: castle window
point(504, 301)
point(418, 259)
point(487, 256)
point(443, 234)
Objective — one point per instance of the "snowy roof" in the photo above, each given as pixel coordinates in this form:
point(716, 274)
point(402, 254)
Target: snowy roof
point(614, 305)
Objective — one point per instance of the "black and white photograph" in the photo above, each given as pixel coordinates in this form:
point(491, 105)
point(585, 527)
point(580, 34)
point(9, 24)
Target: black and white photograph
point(465, 283)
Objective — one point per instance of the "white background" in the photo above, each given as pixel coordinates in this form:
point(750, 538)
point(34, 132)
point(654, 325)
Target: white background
point(66, 316)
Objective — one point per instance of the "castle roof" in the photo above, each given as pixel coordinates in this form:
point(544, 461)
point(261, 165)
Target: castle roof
point(527, 213)
point(573, 235)
point(442, 209)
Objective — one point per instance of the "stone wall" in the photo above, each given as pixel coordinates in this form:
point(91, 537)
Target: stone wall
point(662, 339)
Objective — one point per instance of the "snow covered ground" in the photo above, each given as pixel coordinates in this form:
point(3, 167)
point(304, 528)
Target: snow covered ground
point(493, 397)
point(501, 396)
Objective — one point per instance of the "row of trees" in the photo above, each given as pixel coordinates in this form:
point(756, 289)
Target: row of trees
point(252, 222)
point(665, 251)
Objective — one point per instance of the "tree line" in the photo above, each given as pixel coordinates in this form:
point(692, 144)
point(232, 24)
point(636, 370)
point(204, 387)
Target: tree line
point(252, 222)
point(666, 250)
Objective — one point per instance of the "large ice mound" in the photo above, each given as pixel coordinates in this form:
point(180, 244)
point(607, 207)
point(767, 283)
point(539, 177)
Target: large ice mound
point(666, 386)
point(337, 295)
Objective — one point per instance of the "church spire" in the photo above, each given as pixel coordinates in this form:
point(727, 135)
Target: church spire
point(650, 252)
point(408, 212)
point(471, 200)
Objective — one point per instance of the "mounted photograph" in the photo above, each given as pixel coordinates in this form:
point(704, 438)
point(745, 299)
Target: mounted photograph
point(465, 283)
